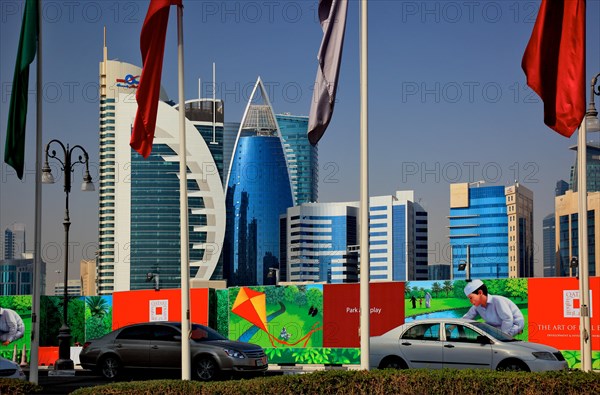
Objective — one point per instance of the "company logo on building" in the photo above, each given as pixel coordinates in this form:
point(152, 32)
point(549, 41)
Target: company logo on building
point(130, 81)
point(159, 310)
point(572, 303)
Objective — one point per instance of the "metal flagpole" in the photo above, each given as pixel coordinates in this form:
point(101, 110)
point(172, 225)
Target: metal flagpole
point(37, 254)
point(364, 195)
point(183, 211)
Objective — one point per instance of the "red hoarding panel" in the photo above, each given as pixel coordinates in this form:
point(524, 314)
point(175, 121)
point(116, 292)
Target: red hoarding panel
point(131, 307)
point(554, 312)
point(341, 309)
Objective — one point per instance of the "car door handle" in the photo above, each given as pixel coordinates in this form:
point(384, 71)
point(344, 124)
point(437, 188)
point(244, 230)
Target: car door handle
point(407, 344)
point(155, 347)
point(449, 345)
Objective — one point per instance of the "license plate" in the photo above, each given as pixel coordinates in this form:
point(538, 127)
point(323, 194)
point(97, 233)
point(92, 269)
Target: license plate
point(261, 362)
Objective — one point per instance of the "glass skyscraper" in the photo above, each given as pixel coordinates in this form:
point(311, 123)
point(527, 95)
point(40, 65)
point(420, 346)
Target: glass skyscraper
point(491, 230)
point(258, 192)
point(139, 221)
point(302, 157)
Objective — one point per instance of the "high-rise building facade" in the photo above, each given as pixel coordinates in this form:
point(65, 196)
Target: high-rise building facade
point(321, 240)
point(592, 166)
point(87, 274)
point(14, 241)
point(302, 157)
point(398, 238)
point(491, 231)
point(567, 232)
point(548, 233)
point(16, 276)
point(258, 192)
point(315, 243)
point(73, 288)
point(139, 217)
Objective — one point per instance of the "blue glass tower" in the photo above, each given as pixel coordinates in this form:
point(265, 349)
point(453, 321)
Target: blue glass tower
point(302, 157)
point(258, 192)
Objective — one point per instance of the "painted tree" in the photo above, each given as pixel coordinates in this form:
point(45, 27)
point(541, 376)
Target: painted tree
point(516, 288)
point(448, 287)
point(436, 288)
point(98, 306)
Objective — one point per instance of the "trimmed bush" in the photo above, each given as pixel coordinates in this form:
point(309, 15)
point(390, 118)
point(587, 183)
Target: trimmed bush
point(18, 387)
point(378, 382)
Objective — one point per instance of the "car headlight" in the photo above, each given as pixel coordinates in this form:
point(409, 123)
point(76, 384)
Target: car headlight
point(544, 355)
point(234, 353)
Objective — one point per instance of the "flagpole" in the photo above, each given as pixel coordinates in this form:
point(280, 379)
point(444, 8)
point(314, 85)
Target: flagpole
point(183, 211)
point(584, 295)
point(37, 264)
point(364, 194)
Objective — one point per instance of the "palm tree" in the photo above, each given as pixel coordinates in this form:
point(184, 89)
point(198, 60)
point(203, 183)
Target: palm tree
point(448, 287)
point(436, 288)
point(407, 288)
point(97, 305)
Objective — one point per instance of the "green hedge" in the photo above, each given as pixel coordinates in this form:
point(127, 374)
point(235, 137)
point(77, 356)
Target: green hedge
point(378, 382)
point(18, 387)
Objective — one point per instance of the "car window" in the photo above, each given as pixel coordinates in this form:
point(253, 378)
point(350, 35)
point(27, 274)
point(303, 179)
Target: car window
point(138, 332)
point(166, 333)
point(461, 333)
point(423, 332)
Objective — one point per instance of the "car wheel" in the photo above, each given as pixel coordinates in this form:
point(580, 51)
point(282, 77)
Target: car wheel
point(206, 369)
point(513, 365)
point(393, 363)
point(110, 367)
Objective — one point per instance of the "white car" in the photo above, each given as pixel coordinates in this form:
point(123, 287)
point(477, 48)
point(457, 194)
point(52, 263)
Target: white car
point(459, 344)
point(10, 370)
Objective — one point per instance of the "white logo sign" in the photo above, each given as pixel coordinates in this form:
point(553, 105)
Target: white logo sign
point(572, 303)
point(159, 310)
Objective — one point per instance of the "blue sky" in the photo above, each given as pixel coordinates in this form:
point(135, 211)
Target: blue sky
point(447, 98)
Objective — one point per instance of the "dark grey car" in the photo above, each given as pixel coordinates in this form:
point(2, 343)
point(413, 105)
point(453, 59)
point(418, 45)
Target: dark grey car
point(157, 345)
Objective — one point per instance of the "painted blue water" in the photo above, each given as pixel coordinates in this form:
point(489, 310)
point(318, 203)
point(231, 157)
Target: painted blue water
point(246, 336)
point(456, 313)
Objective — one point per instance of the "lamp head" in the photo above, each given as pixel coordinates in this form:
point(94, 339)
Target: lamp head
point(88, 185)
point(47, 177)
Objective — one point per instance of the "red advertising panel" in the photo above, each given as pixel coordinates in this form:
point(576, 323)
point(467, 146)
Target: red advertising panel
point(341, 309)
point(131, 307)
point(554, 312)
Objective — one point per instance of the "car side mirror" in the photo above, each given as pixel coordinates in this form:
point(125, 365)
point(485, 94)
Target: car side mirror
point(483, 340)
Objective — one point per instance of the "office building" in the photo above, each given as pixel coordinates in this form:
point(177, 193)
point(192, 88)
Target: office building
point(439, 271)
point(73, 288)
point(321, 240)
point(548, 234)
point(398, 238)
point(258, 192)
point(491, 231)
point(318, 241)
point(302, 157)
point(139, 217)
point(14, 241)
point(592, 166)
point(16, 276)
point(87, 271)
point(567, 232)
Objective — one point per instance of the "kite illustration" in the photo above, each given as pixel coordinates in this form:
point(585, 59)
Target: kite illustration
point(251, 305)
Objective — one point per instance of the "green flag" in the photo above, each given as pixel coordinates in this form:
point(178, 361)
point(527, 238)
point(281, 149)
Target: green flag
point(14, 150)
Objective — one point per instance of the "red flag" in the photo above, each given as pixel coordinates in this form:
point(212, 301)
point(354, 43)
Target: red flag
point(554, 63)
point(152, 45)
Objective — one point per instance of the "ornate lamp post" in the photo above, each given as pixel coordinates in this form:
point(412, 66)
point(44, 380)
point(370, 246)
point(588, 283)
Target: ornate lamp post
point(64, 361)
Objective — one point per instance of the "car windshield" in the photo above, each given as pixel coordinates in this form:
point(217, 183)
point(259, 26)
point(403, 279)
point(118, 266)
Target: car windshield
point(203, 333)
point(494, 332)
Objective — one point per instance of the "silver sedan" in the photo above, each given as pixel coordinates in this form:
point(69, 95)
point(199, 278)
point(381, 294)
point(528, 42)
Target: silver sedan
point(459, 344)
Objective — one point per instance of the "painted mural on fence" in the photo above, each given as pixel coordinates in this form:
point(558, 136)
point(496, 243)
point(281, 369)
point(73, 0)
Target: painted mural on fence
point(554, 316)
point(437, 299)
point(286, 321)
point(98, 316)
point(16, 340)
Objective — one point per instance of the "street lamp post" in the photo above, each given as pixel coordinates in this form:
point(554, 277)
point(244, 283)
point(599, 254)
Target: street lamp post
point(64, 361)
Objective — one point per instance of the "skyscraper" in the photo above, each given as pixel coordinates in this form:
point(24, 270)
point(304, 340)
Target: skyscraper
point(321, 240)
point(14, 241)
point(316, 239)
point(258, 192)
point(491, 230)
point(548, 234)
point(139, 224)
point(592, 166)
point(302, 157)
